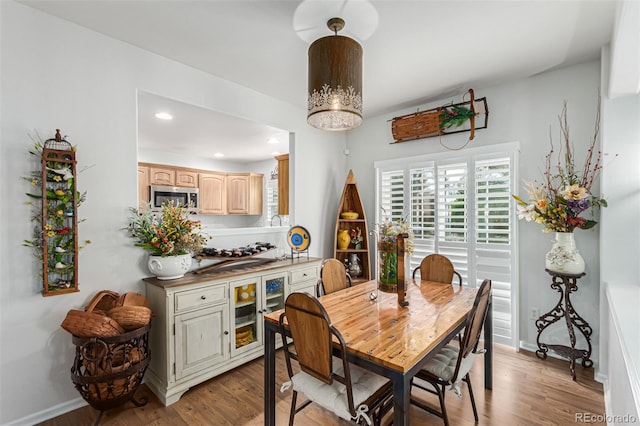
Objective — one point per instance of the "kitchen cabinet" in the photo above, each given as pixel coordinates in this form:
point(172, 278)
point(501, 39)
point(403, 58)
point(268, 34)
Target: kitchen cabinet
point(186, 178)
point(162, 176)
point(213, 193)
point(143, 188)
point(283, 184)
point(244, 193)
point(220, 192)
point(205, 325)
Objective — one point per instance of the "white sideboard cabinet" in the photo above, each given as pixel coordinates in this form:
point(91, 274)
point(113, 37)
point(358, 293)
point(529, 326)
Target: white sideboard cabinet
point(205, 325)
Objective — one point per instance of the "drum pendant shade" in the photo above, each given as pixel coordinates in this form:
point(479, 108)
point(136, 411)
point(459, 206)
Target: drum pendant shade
point(335, 81)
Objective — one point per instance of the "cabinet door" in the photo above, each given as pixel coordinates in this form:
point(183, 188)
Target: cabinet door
point(162, 176)
point(201, 339)
point(238, 194)
point(274, 287)
point(213, 193)
point(256, 190)
point(246, 314)
point(143, 187)
point(186, 179)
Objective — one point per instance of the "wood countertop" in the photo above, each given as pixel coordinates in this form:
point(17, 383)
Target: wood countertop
point(252, 265)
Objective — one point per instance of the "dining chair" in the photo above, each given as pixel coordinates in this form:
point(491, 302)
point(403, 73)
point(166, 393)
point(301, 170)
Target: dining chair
point(333, 277)
point(351, 392)
point(436, 267)
point(451, 365)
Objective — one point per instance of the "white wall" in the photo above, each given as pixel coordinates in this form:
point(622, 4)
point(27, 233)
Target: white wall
point(619, 368)
point(58, 75)
point(522, 111)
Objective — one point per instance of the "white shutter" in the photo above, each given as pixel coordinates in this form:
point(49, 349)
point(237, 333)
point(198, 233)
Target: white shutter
point(392, 195)
point(461, 208)
point(494, 252)
point(423, 212)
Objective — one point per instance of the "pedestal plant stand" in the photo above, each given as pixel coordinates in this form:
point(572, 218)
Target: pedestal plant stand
point(565, 284)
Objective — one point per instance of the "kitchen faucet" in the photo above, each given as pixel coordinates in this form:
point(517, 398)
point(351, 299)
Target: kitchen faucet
point(279, 219)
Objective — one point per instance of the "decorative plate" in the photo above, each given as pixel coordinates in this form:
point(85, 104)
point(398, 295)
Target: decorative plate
point(298, 238)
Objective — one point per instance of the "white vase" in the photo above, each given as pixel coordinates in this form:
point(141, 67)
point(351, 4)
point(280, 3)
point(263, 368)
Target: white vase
point(169, 267)
point(564, 257)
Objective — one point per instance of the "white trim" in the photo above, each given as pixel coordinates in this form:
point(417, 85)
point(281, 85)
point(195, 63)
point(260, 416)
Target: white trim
point(49, 413)
point(506, 147)
point(622, 301)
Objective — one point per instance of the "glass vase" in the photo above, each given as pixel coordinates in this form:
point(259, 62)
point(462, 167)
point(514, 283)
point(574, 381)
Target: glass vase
point(387, 269)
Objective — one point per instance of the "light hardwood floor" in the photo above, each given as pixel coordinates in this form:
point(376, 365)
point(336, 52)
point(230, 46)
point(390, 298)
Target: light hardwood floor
point(526, 391)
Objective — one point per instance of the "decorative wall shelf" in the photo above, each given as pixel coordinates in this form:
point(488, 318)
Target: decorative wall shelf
point(442, 120)
point(59, 240)
point(351, 202)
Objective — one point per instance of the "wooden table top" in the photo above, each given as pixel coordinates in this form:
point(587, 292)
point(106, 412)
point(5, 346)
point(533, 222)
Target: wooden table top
point(388, 334)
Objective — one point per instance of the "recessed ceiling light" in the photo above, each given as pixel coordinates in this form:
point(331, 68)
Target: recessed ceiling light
point(218, 154)
point(164, 116)
point(273, 141)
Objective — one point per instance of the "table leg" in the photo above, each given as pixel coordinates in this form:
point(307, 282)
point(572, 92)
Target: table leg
point(269, 376)
point(401, 399)
point(488, 345)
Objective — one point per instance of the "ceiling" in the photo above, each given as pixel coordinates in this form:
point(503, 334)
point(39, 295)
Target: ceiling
point(415, 51)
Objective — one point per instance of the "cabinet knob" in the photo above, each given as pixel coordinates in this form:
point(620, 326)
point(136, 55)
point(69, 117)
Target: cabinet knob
point(226, 332)
point(203, 297)
point(304, 274)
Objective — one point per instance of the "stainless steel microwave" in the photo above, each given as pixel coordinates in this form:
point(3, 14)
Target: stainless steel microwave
point(188, 197)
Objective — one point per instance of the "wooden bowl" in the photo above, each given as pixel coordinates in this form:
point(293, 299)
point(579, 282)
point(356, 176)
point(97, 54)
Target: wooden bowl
point(349, 215)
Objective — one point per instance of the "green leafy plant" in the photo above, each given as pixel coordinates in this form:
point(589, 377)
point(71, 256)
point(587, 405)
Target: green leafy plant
point(454, 116)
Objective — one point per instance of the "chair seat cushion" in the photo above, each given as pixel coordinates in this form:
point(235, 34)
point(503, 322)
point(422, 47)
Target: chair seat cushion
point(334, 397)
point(443, 365)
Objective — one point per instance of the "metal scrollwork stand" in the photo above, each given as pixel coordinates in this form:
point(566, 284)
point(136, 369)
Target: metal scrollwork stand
point(564, 309)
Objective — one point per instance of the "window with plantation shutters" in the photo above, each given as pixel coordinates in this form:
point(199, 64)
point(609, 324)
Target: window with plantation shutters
point(459, 206)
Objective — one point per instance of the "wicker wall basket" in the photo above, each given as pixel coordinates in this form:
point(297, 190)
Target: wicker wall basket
point(108, 370)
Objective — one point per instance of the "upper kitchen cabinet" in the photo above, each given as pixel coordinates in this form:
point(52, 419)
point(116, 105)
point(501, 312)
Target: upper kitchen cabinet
point(162, 176)
point(186, 178)
point(283, 184)
point(171, 176)
point(143, 187)
point(213, 193)
point(244, 193)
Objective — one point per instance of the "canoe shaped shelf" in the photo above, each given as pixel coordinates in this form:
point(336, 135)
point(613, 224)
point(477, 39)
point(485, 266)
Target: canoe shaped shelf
point(351, 219)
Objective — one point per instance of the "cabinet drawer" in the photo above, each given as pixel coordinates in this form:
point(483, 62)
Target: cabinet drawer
point(200, 297)
point(305, 274)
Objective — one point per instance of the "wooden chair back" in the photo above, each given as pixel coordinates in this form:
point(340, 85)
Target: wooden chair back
point(436, 267)
point(475, 320)
point(310, 329)
point(333, 276)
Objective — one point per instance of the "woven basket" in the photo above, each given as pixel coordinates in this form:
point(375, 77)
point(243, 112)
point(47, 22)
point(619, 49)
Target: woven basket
point(107, 371)
point(132, 299)
point(103, 302)
point(90, 324)
point(131, 317)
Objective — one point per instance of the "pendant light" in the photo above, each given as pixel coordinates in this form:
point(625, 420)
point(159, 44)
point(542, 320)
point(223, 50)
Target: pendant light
point(335, 81)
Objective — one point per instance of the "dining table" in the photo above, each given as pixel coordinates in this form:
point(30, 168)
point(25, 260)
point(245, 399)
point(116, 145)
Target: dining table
point(389, 339)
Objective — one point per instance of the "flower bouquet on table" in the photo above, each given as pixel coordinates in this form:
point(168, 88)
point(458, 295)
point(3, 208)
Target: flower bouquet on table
point(388, 232)
point(172, 233)
point(171, 238)
point(562, 200)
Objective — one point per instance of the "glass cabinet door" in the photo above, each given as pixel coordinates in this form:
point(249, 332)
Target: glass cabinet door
point(274, 292)
point(246, 305)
